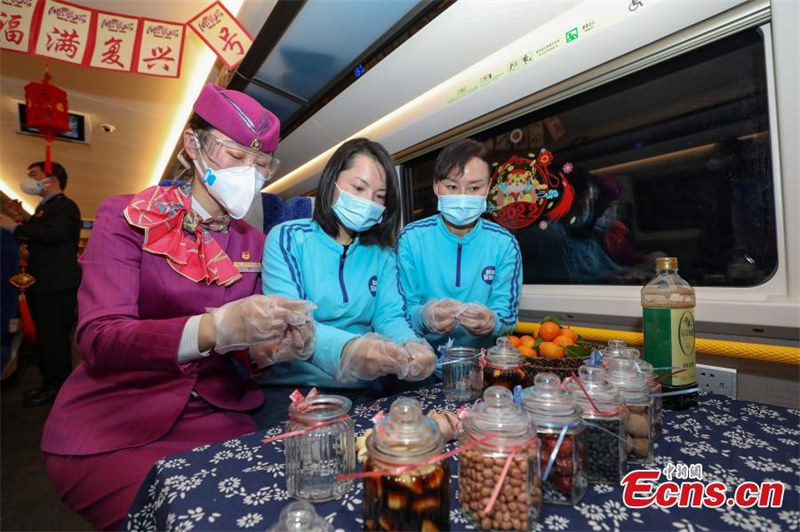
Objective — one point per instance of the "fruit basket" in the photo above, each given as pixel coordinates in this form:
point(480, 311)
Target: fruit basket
point(554, 348)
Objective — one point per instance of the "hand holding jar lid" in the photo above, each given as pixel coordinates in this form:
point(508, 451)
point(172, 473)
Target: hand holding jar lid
point(604, 409)
point(561, 432)
point(499, 481)
point(413, 491)
point(504, 365)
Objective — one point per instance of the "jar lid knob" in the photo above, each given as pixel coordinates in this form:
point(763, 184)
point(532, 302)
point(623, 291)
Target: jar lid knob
point(547, 381)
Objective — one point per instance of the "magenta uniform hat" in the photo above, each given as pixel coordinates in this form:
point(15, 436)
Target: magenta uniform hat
point(239, 116)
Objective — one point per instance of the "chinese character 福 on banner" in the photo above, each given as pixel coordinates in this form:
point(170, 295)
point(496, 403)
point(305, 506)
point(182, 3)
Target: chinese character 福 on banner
point(15, 24)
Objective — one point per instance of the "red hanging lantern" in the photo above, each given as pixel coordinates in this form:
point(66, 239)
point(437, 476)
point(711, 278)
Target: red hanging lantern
point(46, 110)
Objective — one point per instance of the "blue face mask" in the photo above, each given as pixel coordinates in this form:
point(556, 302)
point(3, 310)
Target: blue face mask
point(357, 214)
point(462, 209)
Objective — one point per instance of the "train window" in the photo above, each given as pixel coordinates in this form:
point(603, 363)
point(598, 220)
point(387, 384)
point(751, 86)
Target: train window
point(672, 160)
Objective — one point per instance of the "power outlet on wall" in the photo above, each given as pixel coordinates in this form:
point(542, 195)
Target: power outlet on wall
point(717, 380)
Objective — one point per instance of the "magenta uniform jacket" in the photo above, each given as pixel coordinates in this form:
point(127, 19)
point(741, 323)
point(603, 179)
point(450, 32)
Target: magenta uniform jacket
point(129, 390)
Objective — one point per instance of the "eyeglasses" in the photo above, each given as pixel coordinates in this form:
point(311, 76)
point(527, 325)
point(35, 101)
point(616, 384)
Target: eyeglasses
point(227, 153)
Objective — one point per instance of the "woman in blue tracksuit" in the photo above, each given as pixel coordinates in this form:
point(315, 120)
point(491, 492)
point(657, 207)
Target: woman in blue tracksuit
point(343, 260)
point(469, 292)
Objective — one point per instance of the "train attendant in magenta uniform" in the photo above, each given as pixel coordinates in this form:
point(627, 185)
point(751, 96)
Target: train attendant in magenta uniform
point(343, 261)
point(461, 274)
point(158, 374)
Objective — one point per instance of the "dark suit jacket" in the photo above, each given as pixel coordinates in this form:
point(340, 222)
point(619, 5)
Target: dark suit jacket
point(52, 235)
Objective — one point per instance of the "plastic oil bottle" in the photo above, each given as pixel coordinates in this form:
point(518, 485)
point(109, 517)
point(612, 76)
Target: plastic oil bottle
point(668, 316)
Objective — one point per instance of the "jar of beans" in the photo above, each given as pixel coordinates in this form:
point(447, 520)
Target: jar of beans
point(499, 485)
point(632, 384)
point(655, 389)
point(561, 438)
point(604, 411)
point(504, 366)
point(413, 493)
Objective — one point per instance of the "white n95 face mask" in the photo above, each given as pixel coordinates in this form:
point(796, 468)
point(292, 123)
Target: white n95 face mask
point(31, 186)
point(234, 188)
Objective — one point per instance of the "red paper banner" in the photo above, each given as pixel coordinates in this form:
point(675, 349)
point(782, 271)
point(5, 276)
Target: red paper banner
point(16, 24)
point(115, 41)
point(99, 39)
point(64, 32)
point(222, 33)
point(160, 48)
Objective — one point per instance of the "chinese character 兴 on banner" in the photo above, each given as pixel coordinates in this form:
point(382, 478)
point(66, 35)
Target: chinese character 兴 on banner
point(160, 49)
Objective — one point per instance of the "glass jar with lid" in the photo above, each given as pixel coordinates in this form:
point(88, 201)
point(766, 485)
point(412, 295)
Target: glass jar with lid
point(606, 452)
point(614, 348)
point(300, 516)
point(632, 384)
point(402, 498)
point(655, 389)
point(518, 502)
point(324, 449)
point(461, 372)
point(504, 366)
point(558, 417)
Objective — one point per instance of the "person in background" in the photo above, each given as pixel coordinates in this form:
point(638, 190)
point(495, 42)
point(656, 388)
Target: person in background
point(343, 260)
point(52, 235)
point(159, 373)
point(461, 274)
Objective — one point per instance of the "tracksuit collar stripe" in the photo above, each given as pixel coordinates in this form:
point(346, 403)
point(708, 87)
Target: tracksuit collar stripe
point(450, 236)
point(331, 242)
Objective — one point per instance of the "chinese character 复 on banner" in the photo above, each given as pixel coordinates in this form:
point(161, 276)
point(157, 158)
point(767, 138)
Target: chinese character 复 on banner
point(114, 42)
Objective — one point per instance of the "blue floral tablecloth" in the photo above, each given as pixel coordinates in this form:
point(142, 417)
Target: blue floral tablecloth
point(240, 484)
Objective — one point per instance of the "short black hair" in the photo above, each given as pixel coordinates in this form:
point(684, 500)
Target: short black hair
point(455, 157)
point(383, 234)
point(58, 172)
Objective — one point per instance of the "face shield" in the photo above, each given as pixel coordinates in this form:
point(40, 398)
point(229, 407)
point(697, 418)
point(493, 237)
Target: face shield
point(226, 153)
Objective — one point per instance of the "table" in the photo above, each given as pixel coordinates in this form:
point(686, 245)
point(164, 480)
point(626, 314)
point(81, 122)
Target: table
point(240, 484)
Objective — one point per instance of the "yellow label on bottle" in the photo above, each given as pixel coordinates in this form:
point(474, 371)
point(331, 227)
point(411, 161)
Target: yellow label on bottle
point(669, 343)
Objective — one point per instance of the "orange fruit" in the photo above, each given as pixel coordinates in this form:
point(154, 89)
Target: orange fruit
point(551, 350)
point(515, 341)
point(549, 330)
point(527, 341)
point(527, 351)
point(569, 333)
point(563, 341)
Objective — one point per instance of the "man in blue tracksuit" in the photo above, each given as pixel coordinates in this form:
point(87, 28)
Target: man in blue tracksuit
point(461, 275)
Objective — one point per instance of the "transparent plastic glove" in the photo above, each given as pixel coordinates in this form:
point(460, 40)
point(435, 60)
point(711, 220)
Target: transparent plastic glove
point(477, 319)
point(371, 356)
point(439, 315)
point(297, 343)
point(422, 359)
point(256, 319)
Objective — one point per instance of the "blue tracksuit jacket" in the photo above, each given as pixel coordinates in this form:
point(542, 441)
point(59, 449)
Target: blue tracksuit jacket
point(355, 290)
